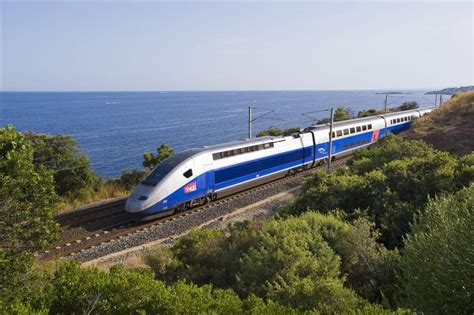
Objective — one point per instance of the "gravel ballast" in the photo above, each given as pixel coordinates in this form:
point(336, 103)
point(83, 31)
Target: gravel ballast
point(167, 231)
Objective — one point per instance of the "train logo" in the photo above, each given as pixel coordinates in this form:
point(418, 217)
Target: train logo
point(322, 150)
point(375, 136)
point(190, 187)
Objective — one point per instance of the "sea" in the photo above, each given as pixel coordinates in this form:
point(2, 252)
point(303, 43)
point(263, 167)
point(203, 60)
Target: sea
point(115, 128)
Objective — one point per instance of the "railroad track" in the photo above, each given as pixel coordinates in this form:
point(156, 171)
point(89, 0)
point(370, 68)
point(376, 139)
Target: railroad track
point(88, 214)
point(126, 227)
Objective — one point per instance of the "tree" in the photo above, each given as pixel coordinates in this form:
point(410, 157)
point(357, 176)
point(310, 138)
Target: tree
point(27, 205)
point(271, 131)
point(129, 179)
point(436, 267)
point(407, 106)
point(274, 131)
point(340, 114)
point(72, 172)
point(367, 113)
point(163, 151)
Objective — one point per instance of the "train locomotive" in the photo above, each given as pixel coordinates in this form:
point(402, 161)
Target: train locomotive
point(194, 177)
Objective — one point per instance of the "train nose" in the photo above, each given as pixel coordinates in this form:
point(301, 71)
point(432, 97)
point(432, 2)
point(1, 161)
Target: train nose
point(133, 205)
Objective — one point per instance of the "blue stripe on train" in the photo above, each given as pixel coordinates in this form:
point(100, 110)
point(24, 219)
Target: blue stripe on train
point(245, 171)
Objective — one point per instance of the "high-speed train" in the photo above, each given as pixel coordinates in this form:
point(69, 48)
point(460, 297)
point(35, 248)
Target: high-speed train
point(196, 176)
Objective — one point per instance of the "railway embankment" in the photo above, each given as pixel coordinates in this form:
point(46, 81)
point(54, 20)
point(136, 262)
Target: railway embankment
point(450, 127)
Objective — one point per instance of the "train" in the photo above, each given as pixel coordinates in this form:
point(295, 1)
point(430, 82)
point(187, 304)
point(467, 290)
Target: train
point(196, 176)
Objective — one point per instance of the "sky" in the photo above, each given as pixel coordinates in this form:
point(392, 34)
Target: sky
point(140, 46)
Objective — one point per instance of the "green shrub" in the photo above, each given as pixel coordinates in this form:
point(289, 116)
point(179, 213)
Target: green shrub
point(274, 131)
point(436, 267)
point(150, 160)
point(129, 179)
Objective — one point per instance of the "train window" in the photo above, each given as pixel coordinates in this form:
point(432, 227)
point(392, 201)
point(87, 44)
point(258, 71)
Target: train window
point(358, 129)
point(353, 130)
point(339, 133)
point(369, 126)
point(398, 120)
point(142, 198)
point(333, 134)
point(188, 173)
point(346, 131)
point(364, 127)
point(229, 153)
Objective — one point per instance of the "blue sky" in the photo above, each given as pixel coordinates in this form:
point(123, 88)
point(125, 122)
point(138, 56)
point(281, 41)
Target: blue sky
point(235, 46)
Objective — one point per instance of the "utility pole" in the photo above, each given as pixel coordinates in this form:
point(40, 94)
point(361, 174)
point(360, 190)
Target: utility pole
point(440, 99)
point(436, 99)
point(250, 122)
point(330, 139)
point(385, 103)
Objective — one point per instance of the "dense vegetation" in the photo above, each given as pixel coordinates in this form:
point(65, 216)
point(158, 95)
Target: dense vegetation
point(390, 232)
point(312, 262)
point(436, 268)
point(387, 183)
point(27, 205)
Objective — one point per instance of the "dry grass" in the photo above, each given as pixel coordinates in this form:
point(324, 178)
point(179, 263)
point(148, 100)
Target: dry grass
point(135, 261)
point(108, 190)
point(450, 127)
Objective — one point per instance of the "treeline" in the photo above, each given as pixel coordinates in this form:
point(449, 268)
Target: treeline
point(340, 114)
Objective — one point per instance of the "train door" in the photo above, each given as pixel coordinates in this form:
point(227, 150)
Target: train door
point(209, 171)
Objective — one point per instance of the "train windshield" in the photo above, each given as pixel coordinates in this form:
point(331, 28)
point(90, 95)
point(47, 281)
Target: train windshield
point(165, 167)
